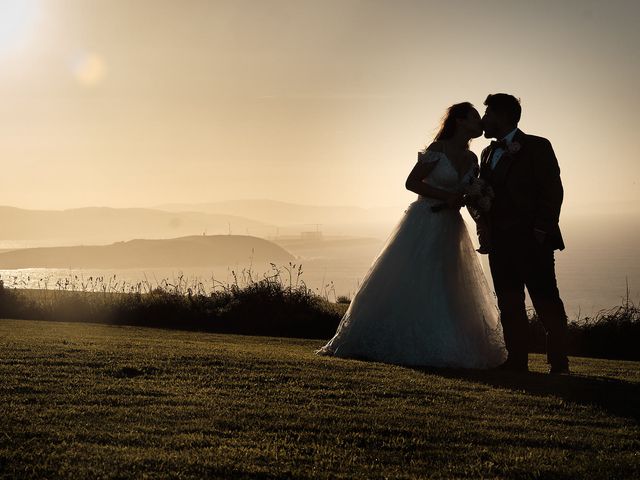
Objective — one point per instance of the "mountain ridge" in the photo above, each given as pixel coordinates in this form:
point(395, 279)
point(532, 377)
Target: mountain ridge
point(190, 251)
point(106, 224)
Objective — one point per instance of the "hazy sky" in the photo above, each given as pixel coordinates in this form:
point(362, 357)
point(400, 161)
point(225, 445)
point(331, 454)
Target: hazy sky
point(137, 103)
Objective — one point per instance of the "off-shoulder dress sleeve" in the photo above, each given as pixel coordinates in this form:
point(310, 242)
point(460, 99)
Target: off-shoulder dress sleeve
point(428, 156)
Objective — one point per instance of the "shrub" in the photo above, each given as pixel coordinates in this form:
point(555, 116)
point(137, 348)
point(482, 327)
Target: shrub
point(612, 333)
point(268, 306)
point(279, 304)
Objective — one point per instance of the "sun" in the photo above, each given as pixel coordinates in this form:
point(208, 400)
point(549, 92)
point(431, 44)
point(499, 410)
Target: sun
point(17, 21)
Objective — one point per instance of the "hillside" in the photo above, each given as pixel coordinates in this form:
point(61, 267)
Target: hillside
point(177, 252)
point(95, 401)
point(283, 213)
point(104, 225)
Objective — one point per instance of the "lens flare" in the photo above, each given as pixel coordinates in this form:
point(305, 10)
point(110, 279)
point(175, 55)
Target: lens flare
point(89, 69)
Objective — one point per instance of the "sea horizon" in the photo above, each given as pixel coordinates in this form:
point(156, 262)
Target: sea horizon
point(595, 270)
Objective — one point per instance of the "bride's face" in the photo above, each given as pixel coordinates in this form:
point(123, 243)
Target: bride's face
point(472, 124)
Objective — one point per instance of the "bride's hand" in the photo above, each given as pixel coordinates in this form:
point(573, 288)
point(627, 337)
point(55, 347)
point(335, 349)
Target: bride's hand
point(456, 201)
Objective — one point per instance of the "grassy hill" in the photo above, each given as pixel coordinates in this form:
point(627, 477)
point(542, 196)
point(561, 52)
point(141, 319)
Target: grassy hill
point(196, 250)
point(89, 401)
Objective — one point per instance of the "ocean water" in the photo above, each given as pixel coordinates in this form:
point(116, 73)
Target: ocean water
point(593, 272)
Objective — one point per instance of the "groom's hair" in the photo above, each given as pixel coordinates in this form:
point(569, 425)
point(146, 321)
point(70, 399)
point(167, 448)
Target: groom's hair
point(505, 104)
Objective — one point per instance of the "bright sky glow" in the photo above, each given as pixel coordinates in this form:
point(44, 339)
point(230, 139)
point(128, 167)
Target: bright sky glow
point(17, 20)
point(138, 103)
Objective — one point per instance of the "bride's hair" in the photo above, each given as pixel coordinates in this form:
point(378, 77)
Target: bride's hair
point(448, 125)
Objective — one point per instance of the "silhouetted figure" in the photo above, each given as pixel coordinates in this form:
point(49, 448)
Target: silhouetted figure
point(523, 231)
point(425, 300)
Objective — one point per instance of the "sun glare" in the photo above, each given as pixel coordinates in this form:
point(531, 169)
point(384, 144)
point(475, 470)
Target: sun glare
point(89, 69)
point(17, 18)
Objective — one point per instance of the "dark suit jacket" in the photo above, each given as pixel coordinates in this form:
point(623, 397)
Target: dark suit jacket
point(528, 190)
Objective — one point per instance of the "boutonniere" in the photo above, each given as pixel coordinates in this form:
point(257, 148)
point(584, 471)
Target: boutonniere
point(514, 147)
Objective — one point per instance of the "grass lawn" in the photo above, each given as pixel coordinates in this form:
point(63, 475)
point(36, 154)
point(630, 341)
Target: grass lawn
point(95, 401)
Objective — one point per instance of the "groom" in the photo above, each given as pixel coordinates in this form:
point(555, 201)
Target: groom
point(523, 231)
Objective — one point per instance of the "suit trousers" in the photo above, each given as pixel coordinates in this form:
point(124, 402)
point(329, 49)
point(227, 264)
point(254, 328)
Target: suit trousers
point(516, 263)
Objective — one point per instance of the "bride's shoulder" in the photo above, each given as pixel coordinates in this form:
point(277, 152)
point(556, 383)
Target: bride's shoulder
point(431, 154)
point(436, 146)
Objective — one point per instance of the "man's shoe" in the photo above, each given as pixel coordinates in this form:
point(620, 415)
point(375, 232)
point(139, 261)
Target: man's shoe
point(511, 366)
point(563, 370)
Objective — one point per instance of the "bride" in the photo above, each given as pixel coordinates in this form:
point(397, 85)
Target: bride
point(425, 300)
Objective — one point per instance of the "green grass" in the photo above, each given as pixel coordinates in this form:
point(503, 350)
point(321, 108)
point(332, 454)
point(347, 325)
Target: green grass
point(95, 401)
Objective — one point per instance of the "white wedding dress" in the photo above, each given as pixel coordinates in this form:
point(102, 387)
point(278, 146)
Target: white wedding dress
point(425, 300)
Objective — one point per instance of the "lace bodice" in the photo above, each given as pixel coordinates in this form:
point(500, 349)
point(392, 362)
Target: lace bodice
point(444, 175)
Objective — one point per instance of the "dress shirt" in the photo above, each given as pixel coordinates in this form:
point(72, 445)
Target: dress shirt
point(499, 151)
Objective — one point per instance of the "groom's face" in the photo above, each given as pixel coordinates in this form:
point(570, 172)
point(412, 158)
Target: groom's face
point(490, 123)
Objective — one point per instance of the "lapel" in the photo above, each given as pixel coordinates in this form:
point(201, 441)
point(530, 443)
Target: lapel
point(485, 156)
point(507, 158)
point(485, 162)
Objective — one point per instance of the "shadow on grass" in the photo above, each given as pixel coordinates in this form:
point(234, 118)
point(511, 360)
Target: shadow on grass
point(617, 397)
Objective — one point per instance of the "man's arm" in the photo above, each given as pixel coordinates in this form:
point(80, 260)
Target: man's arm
point(549, 189)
